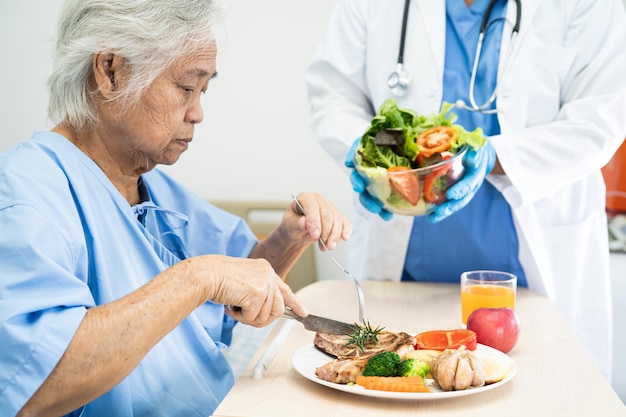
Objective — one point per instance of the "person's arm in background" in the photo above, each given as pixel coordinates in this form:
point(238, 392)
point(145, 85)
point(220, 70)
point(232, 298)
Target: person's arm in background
point(576, 106)
point(339, 104)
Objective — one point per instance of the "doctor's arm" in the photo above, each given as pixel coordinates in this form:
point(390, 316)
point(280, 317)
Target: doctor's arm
point(576, 102)
point(340, 106)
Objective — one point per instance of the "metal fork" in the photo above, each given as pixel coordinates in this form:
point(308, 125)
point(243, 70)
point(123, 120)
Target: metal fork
point(345, 271)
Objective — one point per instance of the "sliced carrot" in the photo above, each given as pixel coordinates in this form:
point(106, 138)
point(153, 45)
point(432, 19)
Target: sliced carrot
point(393, 383)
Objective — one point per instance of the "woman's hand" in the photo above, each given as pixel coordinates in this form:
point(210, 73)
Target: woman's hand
point(287, 242)
point(255, 294)
point(320, 219)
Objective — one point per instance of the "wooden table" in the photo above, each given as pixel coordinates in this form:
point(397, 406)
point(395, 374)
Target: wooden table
point(555, 376)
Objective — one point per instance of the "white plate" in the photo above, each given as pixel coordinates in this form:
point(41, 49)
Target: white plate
point(308, 357)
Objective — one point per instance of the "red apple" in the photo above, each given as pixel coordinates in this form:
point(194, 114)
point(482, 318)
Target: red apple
point(495, 327)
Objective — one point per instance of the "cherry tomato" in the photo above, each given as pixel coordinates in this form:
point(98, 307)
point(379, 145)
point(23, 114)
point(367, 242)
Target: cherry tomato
point(446, 339)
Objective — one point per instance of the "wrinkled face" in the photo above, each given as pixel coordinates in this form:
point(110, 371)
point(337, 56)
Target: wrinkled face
point(158, 129)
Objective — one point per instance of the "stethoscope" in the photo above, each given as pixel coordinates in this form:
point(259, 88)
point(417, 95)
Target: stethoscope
point(400, 79)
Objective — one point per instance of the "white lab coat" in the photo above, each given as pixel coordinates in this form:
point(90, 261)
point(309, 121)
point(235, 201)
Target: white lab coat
point(564, 99)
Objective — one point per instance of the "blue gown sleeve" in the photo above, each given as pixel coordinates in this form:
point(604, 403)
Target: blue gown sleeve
point(43, 300)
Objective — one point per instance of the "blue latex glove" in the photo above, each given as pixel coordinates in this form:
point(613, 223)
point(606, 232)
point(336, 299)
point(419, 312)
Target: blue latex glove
point(478, 163)
point(359, 182)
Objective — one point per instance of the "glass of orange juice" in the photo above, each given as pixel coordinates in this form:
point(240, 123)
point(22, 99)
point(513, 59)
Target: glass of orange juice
point(486, 289)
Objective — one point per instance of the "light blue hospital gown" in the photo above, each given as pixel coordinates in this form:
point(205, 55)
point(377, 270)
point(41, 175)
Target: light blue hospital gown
point(70, 241)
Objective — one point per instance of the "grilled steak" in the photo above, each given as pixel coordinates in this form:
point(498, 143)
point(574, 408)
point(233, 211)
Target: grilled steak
point(335, 345)
point(341, 371)
point(351, 359)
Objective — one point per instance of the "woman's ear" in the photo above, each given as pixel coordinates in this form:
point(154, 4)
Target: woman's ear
point(105, 67)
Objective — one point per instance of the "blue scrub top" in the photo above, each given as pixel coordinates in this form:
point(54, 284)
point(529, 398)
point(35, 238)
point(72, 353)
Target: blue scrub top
point(69, 241)
point(482, 234)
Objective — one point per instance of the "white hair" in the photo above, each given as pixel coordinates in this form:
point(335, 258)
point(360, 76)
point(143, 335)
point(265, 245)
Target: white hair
point(148, 34)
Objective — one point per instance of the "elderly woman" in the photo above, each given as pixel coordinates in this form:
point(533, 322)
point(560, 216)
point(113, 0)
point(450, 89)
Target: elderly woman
point(114, 277)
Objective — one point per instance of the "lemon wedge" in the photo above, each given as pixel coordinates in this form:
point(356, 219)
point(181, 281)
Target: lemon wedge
point(496, 368)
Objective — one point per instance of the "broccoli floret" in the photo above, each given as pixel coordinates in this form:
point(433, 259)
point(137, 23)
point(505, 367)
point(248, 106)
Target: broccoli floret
point(382, 364)
point(413, 367)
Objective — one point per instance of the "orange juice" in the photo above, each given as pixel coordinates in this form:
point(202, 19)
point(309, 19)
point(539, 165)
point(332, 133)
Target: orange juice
point(476, 296)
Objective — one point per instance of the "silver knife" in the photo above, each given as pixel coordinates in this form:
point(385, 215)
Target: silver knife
point(321, 324)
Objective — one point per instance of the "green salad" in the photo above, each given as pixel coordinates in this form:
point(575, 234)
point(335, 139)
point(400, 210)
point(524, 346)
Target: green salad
point(399, 141)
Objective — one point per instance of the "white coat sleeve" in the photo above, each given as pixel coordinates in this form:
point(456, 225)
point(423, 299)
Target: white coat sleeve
point(576, 109)
point(339, 103)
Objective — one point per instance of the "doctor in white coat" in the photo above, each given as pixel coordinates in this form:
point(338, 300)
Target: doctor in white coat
point(558, 117)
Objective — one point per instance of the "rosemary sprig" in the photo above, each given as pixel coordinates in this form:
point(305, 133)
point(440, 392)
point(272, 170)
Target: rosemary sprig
point(363, 334)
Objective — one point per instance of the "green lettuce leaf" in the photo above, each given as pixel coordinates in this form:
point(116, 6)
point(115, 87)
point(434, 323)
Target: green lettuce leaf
point(391, 117)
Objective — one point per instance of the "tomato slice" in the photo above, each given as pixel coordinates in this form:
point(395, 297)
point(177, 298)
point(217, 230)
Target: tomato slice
point(404, 182)
point(446, 339)
point(437, 139)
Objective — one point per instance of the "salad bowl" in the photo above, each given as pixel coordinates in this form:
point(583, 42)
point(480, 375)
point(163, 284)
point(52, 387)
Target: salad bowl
point(409, 161)
point(413, 192)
